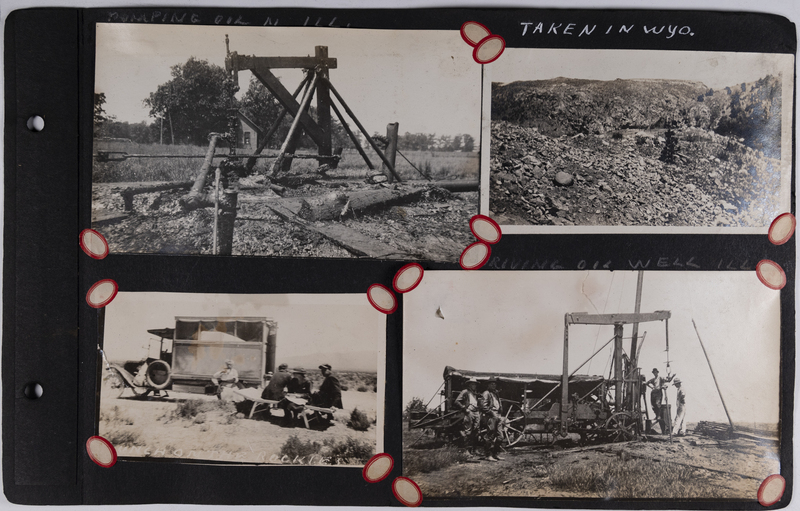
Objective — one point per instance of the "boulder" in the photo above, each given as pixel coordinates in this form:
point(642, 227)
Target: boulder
point(563, 179)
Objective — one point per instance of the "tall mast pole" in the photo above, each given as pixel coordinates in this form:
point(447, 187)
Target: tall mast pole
point(713, 376)
point(637, 309)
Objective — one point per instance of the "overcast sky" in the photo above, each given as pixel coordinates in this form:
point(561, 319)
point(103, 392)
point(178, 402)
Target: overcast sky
point(514, 322)
point(307, 323)
point(425, 80)
point(714, 69)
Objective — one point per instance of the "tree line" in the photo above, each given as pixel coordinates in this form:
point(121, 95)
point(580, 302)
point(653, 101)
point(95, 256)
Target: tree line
point(199, 99)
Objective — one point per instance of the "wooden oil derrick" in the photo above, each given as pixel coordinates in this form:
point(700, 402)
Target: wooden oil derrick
point(316, 82)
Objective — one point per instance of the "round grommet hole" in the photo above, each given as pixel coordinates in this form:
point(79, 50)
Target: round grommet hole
point(101, 451)
point(475, 256)
point(377, 468)
point(408, 277)
point(485, 229)
point(473, 32)
point(382, 298)
point(93, 244)
point(489, 49)
point(101, 293)
point(771, 274)
point(35, 123)
point(782, 228)
point(407, 492)
point(33, 390)
point(771, 490)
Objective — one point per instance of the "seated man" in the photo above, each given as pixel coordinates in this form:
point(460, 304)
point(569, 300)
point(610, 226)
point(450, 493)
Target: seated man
point(276, 388)
point(329, 394)
point(227, 377)
point(298, 390)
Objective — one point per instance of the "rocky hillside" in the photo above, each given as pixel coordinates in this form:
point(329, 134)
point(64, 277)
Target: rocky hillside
point(565, 106)
point(618, 177)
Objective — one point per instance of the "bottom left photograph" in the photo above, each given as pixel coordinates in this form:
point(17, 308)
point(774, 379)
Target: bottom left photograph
point(292, 379)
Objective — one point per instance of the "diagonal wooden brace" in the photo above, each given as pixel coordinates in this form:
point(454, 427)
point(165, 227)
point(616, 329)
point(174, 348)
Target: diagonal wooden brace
point(288, 102)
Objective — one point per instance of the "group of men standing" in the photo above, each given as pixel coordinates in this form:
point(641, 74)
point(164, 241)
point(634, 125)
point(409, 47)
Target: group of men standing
point(659, 385)
point(482, 412)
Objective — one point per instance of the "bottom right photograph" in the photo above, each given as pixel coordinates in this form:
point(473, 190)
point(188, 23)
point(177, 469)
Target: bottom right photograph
point(592, 384)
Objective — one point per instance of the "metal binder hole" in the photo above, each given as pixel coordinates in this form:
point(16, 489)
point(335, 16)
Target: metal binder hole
point(33, 390)
point(35, 123)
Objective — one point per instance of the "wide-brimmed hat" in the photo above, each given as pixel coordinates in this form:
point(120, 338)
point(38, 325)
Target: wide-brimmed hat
point(676, 381)
point(493, 379)
point(229, 362)
point(326, 367)
point(298, 371)
point(472, 380)
point(655, 369)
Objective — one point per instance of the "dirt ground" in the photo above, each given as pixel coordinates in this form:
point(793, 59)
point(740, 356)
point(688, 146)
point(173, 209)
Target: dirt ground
point(433, 227)
point(719, 469)
point(150, 428)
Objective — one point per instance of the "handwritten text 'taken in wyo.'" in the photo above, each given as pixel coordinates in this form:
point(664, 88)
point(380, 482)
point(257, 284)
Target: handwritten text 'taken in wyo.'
point(571, 29)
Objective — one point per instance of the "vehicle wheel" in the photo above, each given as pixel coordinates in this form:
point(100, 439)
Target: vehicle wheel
point(620, 427)
point(158, 374)
point(113, 384)
point(513, 425)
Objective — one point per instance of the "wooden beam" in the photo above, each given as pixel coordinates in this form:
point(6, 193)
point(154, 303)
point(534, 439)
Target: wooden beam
point(363, 130)
point(288, 102)
point(105, 217)
point(324, 103)
point(583, 318)
point(291, 139)
point(333, 206)
point(251, 62)
point(262, 143)
point(352, 136)
point(391, 149)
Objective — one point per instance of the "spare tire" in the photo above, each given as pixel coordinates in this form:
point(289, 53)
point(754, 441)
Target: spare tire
point(158, 374)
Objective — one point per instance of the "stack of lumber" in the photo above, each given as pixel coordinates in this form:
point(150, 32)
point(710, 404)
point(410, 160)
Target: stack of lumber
point(716, 430)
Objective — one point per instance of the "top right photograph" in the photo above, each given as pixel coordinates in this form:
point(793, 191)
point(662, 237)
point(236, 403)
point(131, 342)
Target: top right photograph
point(618, 141)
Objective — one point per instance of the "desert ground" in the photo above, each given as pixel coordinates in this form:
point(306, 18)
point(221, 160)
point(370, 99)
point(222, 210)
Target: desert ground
point(200, 427)
point(694, 466)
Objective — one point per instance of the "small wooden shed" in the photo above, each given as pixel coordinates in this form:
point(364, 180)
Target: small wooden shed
point(247, 133)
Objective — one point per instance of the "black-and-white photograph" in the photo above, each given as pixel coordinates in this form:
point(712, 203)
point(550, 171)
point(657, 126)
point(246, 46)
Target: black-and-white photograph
point(285, 141)
point(591, 384)
point(276, 379)
point(637, 141)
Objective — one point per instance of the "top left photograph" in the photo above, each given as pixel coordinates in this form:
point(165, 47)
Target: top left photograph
point(285, 141)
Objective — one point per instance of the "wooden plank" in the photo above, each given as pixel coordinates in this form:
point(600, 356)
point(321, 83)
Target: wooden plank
point(345, 237)
point(288, 102)
point(251, 62)
point(108, 217)
point(583, 318)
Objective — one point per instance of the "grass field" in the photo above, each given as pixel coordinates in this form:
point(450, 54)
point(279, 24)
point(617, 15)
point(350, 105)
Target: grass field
point(439, 165)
